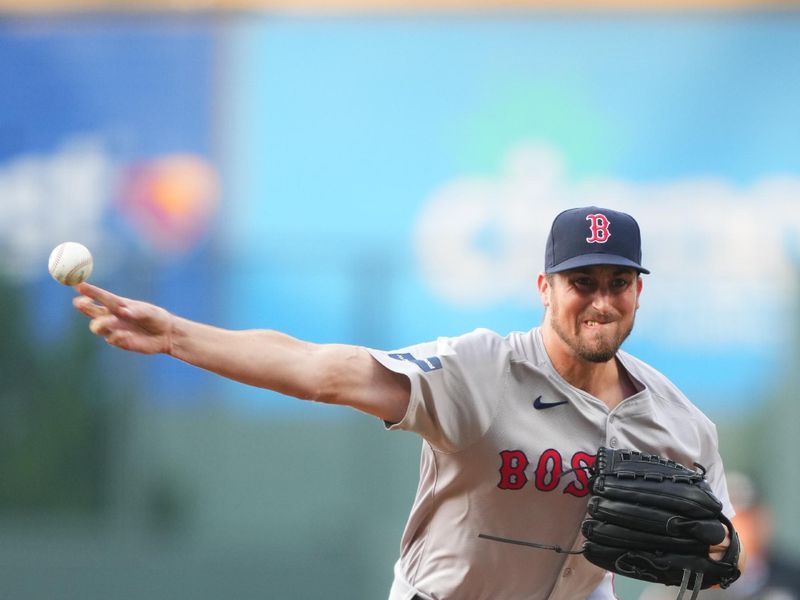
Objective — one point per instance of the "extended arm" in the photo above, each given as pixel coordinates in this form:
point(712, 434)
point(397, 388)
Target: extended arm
point(331, 373)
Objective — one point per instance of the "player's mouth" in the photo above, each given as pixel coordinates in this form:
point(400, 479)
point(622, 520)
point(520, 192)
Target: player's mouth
point(592, 324)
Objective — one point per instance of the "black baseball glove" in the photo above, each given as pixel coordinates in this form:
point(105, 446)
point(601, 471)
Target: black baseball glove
point(653, 519)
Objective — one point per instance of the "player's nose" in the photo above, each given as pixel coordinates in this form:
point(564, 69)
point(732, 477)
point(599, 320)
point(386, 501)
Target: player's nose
point(601, 301)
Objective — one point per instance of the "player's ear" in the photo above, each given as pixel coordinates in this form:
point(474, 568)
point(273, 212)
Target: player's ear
point(543, 283)
point(639, 285)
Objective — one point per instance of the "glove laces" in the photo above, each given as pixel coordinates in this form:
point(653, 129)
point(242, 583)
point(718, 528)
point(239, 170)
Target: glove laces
point(698, 583)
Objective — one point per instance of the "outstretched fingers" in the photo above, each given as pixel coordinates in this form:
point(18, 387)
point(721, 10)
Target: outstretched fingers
point(125, 323)
point(114, 330)
point(114, 304)
point(104, 325)
point(89, 307)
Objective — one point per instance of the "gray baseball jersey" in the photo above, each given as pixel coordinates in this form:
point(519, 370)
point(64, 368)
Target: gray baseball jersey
point(499, 426)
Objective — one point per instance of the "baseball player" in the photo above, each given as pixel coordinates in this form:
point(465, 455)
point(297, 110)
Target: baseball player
point(509, 423)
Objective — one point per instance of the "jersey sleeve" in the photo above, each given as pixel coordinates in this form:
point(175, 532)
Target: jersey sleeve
point(456, 383)
point(716, 473)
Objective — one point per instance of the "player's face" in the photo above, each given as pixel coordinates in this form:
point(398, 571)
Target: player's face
point(591, 310)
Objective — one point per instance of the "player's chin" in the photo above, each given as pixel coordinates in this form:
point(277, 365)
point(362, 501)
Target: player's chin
point(600, 355)
point(600, 349)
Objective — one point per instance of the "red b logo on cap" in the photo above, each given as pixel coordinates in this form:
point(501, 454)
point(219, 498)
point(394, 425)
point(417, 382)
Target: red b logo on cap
point(599, 226)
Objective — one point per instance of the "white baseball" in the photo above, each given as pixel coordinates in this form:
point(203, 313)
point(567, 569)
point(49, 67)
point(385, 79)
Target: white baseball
point(70, 263)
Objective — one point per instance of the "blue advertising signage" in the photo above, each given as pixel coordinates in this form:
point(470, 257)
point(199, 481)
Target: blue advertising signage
point(393, 180)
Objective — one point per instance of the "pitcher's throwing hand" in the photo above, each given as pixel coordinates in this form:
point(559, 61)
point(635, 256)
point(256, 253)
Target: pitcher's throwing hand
point(128, 324)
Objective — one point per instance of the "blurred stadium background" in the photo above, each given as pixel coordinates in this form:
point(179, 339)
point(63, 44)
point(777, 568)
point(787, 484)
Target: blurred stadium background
point(373, 173)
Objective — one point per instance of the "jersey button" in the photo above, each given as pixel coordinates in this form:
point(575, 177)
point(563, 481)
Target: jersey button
point(612, 442)
point(566, 572)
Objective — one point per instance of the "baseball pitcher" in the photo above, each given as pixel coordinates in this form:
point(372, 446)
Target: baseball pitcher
point(550, 457)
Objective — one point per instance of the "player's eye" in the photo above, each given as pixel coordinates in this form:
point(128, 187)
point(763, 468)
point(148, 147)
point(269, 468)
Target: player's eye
point(620, 283)
point(583, 283)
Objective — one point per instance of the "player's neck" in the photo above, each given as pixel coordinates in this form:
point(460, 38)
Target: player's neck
point(607, 381)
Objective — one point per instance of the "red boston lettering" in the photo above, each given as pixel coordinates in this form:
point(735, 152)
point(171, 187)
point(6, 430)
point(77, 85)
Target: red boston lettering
point(548, 471)
point(512, 470)
point(581, 462)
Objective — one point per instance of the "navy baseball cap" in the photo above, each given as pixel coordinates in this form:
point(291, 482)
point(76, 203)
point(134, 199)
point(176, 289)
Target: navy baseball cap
point(588, 236)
